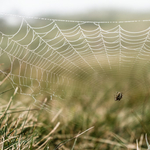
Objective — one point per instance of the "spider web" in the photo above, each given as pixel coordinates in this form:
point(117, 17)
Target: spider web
point(49, 56)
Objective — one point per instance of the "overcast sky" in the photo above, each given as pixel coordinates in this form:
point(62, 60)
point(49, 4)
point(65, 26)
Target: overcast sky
point(33, 7)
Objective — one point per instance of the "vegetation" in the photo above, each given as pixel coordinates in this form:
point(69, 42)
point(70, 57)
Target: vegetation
point(84, 119)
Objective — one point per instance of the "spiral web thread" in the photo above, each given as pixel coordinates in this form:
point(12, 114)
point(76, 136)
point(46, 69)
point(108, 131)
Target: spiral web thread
point(49, 55)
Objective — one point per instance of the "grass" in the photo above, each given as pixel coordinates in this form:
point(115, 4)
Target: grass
point(20, 129)
point(83, 119)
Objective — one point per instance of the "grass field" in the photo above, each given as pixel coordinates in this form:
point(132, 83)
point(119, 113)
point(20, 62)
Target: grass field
point(87, 117)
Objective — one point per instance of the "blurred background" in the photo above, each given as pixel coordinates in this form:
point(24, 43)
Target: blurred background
point(80, 9)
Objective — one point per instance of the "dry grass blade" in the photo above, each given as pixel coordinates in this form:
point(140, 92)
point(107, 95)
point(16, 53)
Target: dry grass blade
point(74, 143)
point(6, 109)
point(4, 79)
point(106, 141)
point(7, 139)
point(61, 144)
point(83, 132)
point(118, 137)
point(54, 118)
point(9, 103)
point(18, 111)
point(147, 142)
point(141, 140)
point(47, 137)
point(2, 143)
point(137, 145)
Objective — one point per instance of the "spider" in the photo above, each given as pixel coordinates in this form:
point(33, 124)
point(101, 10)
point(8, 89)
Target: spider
point(118, 96)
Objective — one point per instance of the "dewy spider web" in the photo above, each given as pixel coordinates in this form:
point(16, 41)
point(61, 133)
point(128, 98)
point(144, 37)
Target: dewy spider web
point(47, 55)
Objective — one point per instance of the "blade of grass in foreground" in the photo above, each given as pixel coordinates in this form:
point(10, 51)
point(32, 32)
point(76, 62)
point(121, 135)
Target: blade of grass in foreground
point(66, 141)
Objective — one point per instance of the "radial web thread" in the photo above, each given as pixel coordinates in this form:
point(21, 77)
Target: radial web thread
point(43, 57)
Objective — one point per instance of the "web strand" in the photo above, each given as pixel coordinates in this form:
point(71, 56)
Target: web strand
point(60, 52)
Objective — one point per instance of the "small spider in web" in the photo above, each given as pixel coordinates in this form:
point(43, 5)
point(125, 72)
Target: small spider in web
point(118, 96)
